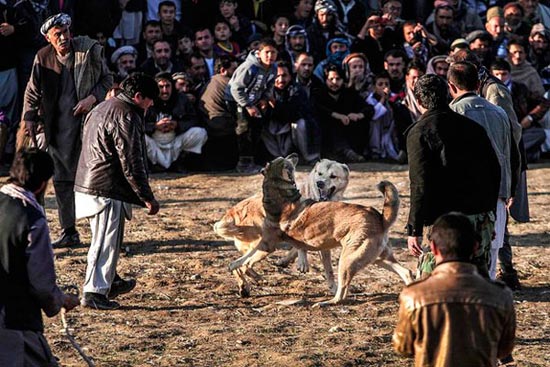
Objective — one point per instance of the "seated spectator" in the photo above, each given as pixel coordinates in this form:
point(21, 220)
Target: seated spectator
point(161, 61)
point(352, 15)
point(303, 13)
point(481, 44)
point(325, 26)
point(292, 127)
point(279, 26)
point(539, 47)
point(438, 65)
point(151, 33)
point(343, 117)
point(418, 41)
point(220, 151)
point(296, 42)
point(204, 43)
point(465, 18)
point(370, 41)
point(196, 68)
point(185, 45)
point(459, 44)
point(528, 108)
point(495, 27)
point(536, 12)
point(337, 49)
point(395, 62)
point(358, 74)
point(172, 127)
point(414, 71)
point(170, 27)
point(223, 44)
point(123, 62)
point(382, 133)
point(522, 70)
point(515, 26)
point(241, 27)
point(443, 27)
point(304, 71)
point(455, 317)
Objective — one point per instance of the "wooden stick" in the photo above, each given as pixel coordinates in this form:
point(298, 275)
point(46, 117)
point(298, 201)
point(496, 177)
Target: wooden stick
point(67, 332)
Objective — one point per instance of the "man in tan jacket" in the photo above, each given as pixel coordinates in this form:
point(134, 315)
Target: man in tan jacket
point(455, 317)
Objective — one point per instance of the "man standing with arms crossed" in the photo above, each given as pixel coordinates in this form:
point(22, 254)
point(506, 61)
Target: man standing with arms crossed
point(69, 76)
point(111, 176)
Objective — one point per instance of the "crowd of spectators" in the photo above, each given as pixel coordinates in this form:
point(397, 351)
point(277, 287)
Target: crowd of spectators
point(343, 88)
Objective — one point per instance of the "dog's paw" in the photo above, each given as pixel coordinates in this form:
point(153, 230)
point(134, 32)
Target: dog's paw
point(234, 266)
point(320, 304)
point(303, 267)
point(244, 292)
point(282, 263)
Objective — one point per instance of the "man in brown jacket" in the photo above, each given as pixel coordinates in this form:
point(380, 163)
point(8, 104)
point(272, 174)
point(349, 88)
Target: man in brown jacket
point(455, 317)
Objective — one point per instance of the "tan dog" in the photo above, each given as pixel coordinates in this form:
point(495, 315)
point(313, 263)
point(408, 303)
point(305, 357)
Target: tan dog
point(243, 222)
point(361, 231)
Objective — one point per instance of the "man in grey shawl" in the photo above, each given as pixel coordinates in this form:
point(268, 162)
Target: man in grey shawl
point(69, 76)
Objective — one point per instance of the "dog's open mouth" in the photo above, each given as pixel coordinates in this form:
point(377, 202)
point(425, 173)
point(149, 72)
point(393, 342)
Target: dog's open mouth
point(326, 195)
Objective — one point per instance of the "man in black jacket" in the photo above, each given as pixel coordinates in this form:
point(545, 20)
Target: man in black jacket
point(452, 167)
point(111, 175)
point(27, 271)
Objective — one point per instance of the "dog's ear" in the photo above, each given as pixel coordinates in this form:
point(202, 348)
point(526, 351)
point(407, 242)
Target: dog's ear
point(263, 171)
point(293, 158)
point(345, 167)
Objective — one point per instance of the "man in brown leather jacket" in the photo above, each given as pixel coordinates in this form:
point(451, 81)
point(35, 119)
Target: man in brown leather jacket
point(455, 317)
point(111, 176)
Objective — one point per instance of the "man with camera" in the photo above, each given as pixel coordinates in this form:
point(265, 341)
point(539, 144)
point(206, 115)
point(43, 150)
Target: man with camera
point(418, 41)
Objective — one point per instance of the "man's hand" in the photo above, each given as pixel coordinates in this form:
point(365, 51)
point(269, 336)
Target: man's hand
point(153, 207)
point(414, 245)
point(30, 131)
point(6, 29)
point(165, 124)
point(70, 301)
point(253, 111)
point(355, 116)
point(85, 105)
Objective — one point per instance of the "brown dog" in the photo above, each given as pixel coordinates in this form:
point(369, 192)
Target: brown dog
point(243, 222)
point(319, 226)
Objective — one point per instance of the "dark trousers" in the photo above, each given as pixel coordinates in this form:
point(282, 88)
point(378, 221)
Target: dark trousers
point(64, 194)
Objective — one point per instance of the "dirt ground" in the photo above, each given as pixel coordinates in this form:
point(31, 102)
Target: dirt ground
point(185, 310)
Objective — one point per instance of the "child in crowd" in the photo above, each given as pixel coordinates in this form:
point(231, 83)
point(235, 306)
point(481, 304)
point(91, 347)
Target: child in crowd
point(279, 26)
point(382, 136)
point(250, 95)
point(185, 45)
point(224, 45)
point(241, 27)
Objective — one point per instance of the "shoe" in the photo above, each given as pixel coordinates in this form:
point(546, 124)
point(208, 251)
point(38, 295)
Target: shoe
point(98, 301)
point(510, 279)
point(121, 286)
point(351, 157)
point(71, 240)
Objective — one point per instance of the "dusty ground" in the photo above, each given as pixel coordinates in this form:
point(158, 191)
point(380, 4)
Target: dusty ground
point(185, 310)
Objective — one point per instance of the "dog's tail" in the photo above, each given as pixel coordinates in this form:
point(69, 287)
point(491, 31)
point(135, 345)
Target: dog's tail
point(226, 228)
point(391, 203)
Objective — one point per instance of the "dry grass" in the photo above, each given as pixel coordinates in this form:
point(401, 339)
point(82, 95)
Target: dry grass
point(185, 310)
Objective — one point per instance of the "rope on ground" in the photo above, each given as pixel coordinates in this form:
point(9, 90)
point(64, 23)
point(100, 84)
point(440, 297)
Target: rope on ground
point(76, 346)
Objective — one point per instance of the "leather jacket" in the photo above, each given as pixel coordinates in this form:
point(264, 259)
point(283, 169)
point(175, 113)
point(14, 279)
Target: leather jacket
point(455, 318)
point(113, 159)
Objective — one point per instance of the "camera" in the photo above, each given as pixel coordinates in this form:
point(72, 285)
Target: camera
point(417, 37)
